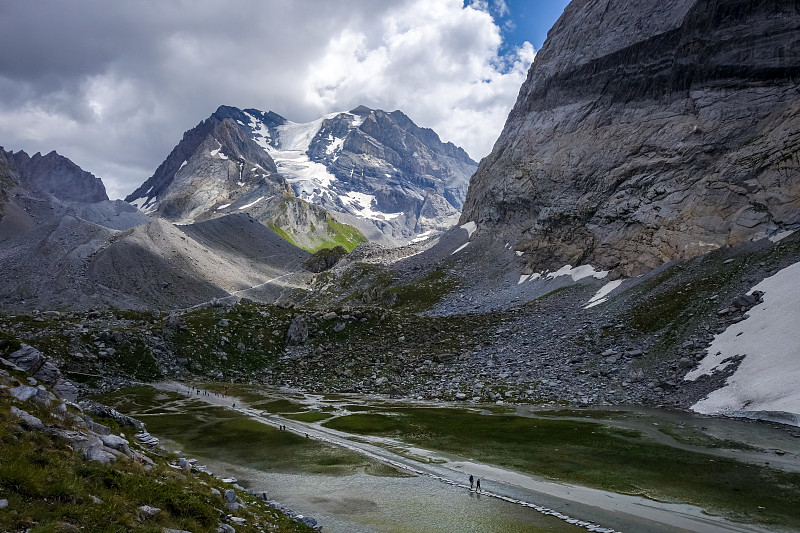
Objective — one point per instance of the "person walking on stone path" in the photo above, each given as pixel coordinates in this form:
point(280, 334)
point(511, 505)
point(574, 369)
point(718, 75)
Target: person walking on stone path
point(471, 481)
point(478, 485)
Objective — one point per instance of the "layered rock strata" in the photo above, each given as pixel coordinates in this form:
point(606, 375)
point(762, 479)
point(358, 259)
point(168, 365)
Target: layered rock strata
point(648, 132)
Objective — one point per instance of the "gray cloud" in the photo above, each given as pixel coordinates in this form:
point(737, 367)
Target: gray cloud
point(113, 85)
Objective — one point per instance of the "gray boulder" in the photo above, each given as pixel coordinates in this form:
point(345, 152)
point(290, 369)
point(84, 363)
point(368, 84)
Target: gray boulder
point(28, 420)
point(298, 331)
point(27, 358)
point(23, 393)
point(116, 442)
point(48, 373)
point(66, 390)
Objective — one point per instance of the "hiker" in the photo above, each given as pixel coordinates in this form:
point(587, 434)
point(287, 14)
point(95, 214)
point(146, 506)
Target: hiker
point(478, 485)
point(471, 481)
point(234, 404)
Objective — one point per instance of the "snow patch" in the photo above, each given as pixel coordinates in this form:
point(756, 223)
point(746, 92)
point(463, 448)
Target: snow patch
point(183, 164)
point(359, 120)
point(781, 235)
point(470, 227)
point(335, 145)
point(223, 206)
point(360, 204)
point(525, 277)
point(602, 295)
point(260, 131)
point(145, 204)
point(460, 248)
point(217, 154)
point(251, 204)
point(578, 273)
point(766, 379)
point(422, 236)
point(518, 253)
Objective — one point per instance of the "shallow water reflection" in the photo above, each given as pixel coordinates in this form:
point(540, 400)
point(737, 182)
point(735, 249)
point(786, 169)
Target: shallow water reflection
point(364, 503)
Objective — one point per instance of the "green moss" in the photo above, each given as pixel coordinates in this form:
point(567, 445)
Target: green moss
point(425, 292)
point(343, 235)
point(309, 417)
point(279, 406)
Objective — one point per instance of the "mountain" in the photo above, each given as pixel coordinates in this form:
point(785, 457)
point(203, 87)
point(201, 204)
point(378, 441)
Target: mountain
point(370, 169)
point(648, 134)
point(64, 245)
point(38, 189)
point(56, 175)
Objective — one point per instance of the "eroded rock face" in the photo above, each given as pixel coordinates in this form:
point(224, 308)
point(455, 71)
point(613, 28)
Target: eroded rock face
point(55, 174)
point(648, 133)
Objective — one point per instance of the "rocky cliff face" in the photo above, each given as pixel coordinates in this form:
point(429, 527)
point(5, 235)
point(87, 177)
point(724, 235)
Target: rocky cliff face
point(389, 171)
point(55, 174)
point(41, 189)
point(374, 170)
point(648, 132)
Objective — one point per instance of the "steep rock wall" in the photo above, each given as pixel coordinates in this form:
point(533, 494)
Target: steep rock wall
point(647, 132)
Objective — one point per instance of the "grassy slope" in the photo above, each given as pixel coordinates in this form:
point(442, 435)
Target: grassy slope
point(312, 238)
point(50, 488)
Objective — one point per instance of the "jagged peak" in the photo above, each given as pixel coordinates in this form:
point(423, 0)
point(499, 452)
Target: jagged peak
point(361, 110)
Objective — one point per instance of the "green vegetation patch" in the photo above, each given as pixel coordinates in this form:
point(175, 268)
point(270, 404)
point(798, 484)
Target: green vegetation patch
point(279, 406)
point(425, 292)
point(218, 433)
point(245, 340)
point(599, 414)
point(311, 416)
point(695, 437)
point(49, 487)
point(342, 235)
point(591, 454)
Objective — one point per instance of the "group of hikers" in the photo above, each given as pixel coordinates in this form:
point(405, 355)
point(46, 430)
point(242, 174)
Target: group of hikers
point(472, 483)
point(204, 392)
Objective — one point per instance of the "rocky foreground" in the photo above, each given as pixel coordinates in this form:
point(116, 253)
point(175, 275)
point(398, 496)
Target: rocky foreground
point(61, 468)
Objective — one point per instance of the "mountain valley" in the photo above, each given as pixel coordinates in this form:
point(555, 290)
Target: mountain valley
point(627, 253)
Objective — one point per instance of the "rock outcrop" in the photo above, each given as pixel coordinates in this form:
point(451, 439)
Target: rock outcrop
point(649, 132)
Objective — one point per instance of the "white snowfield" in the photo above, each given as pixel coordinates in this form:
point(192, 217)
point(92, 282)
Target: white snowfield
point(311, 180)
point(360, 204)
point(602, 295)
point(577, 273)
point(470, 227)
point(766, 383)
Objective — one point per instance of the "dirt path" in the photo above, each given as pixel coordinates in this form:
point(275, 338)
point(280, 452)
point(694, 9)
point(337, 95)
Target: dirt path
point(592, 509)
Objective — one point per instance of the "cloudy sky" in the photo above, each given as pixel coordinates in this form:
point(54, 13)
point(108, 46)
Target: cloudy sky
point(113, 85)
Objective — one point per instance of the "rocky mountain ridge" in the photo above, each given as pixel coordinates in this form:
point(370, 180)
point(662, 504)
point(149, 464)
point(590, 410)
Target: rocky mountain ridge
point(373, 170)
point(646, 135)
point(41, 189)
point(56, 175)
